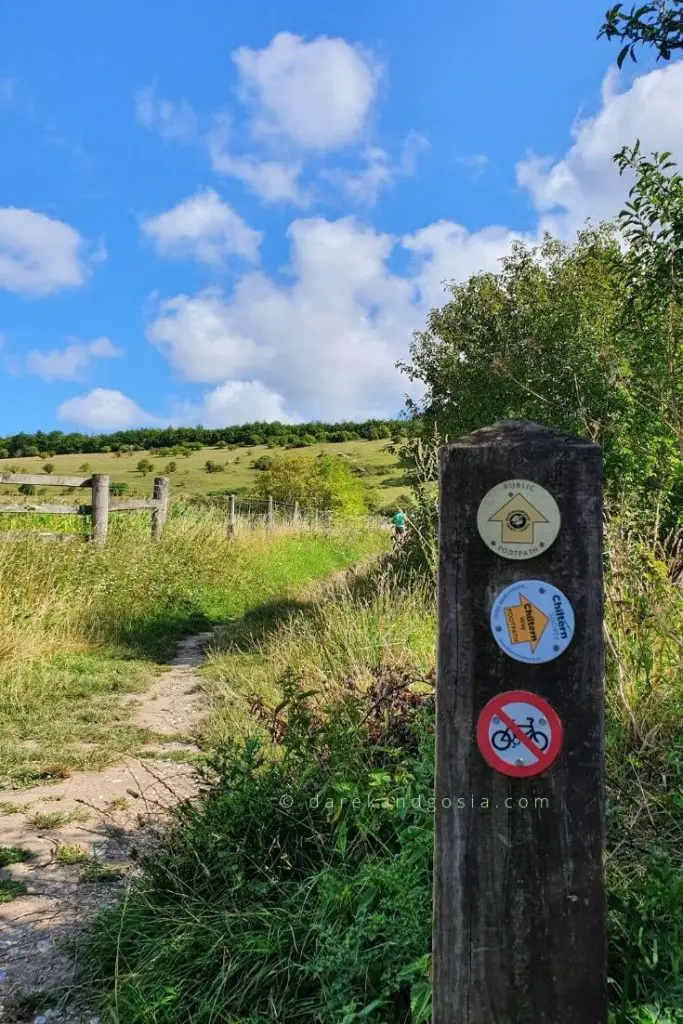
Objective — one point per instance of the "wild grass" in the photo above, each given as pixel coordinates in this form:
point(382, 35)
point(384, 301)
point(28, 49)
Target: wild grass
point(81, 626)
point(312, 908)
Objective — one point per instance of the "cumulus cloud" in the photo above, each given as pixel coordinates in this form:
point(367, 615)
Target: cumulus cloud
point(69, 363)
point(316, 94)
point(205, 228)
point(328, 341)
point(38, 255)
point(104, 409)
point(174, 122)
point(238, 401)
point(325, 336)
point(381, 170)
point(272, 180)
point(585, 182)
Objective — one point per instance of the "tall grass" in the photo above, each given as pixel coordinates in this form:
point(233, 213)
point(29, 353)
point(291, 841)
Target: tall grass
point(263, 909)
point(79, 625)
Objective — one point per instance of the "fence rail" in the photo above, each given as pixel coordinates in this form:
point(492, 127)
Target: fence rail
point(240, 512)
point(99, 508)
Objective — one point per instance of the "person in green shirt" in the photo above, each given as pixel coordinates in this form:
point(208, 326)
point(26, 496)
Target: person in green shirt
point(399, 525)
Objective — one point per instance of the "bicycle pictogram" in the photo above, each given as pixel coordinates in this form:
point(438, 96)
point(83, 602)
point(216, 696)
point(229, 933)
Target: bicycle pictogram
point(519, 733)
point(503, 739)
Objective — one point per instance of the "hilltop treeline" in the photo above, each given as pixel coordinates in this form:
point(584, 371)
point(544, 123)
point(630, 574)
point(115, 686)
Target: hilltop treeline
point(56, 442)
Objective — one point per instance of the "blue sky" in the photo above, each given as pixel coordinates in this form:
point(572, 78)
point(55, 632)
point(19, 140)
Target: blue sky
point(216, 212)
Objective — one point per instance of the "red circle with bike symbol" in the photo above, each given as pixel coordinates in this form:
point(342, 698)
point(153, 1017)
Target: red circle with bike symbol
point(519, 734)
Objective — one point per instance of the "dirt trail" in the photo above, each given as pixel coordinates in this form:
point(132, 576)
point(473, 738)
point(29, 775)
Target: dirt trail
point(112, 815)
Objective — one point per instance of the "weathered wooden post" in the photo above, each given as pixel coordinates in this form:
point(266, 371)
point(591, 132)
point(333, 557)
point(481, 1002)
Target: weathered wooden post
point(161, 492)
point(231, 516)
point(100, 507)
point(519, 914)
point(269, 513)
point(295, 514)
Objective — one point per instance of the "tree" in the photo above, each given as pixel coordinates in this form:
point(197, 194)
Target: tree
point(170, 468)
point(84, 467)
point(322, 483)
point(144, 467)
point(117, 489)
point(658, 23)
point(27, 489)
point(49, 467)
point(213, 467)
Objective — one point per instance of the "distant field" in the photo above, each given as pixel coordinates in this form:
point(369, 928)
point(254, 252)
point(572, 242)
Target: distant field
point(384, 480)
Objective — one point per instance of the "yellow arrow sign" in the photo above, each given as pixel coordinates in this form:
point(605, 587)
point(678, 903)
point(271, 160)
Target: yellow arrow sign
point(518, 518)
point(526, 623)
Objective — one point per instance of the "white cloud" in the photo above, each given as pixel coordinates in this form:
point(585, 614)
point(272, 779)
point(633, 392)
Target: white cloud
point(205, 228)
point(365, 186)
point(69, 363)
point(327, 343)
point(38, 255)
point(381, 171)
point(316, 95)
point(236, 402)
point(272, 180)
point(585, 182)
point(201, 339)
point(175, 122)
point(104, 409)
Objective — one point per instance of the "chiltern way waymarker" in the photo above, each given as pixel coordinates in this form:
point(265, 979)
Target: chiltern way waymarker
point(519, 734)
point(518, 519)
point(532, 621)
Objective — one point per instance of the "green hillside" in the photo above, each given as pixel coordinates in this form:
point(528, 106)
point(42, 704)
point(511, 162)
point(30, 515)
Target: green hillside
point(189, 478)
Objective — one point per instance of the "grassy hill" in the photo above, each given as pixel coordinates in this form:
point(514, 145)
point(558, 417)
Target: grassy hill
point(384, 477)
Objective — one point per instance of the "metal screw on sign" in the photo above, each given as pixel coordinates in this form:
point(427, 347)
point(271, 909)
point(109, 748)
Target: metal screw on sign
point(519, 904)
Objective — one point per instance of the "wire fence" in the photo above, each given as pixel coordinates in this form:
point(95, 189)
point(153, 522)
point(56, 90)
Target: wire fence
point(258, 512)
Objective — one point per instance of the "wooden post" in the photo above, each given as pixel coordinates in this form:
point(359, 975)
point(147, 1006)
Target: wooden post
point(161, 492)
point(269, 513)
point(295, 514)
point(519, 908)
point(231, 516)
point(100, 507)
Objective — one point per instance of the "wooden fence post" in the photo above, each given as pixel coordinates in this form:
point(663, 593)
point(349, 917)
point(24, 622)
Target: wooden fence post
point(231, 516)
point(269, 513)
point(519, 907)
point(100, 507)
point(295, 514)
point(161, 492)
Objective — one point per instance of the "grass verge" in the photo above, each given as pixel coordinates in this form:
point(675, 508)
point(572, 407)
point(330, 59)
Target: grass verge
point(79, 627)
point(299, 888)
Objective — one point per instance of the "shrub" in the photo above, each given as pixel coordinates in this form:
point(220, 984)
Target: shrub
point(49, 467)
point(313, 869)
point(322, 483)
point(264, 462)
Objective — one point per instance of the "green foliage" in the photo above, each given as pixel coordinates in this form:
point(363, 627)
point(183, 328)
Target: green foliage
point(27, 489)
point(213, 467)
point(658, 23)
point(296, 889)
point(144, 467)
point(49, 467)
point(117, 490)
point(585, 338)
point(174, 441)
point(264, 462)
point(322, 483)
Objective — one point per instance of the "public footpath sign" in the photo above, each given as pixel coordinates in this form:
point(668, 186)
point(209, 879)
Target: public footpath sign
point(518, 519)
point(519, 734)
point(519, 895)
point(532, 621)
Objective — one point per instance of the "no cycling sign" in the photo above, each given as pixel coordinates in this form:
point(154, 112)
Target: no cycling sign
point(519, 734)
